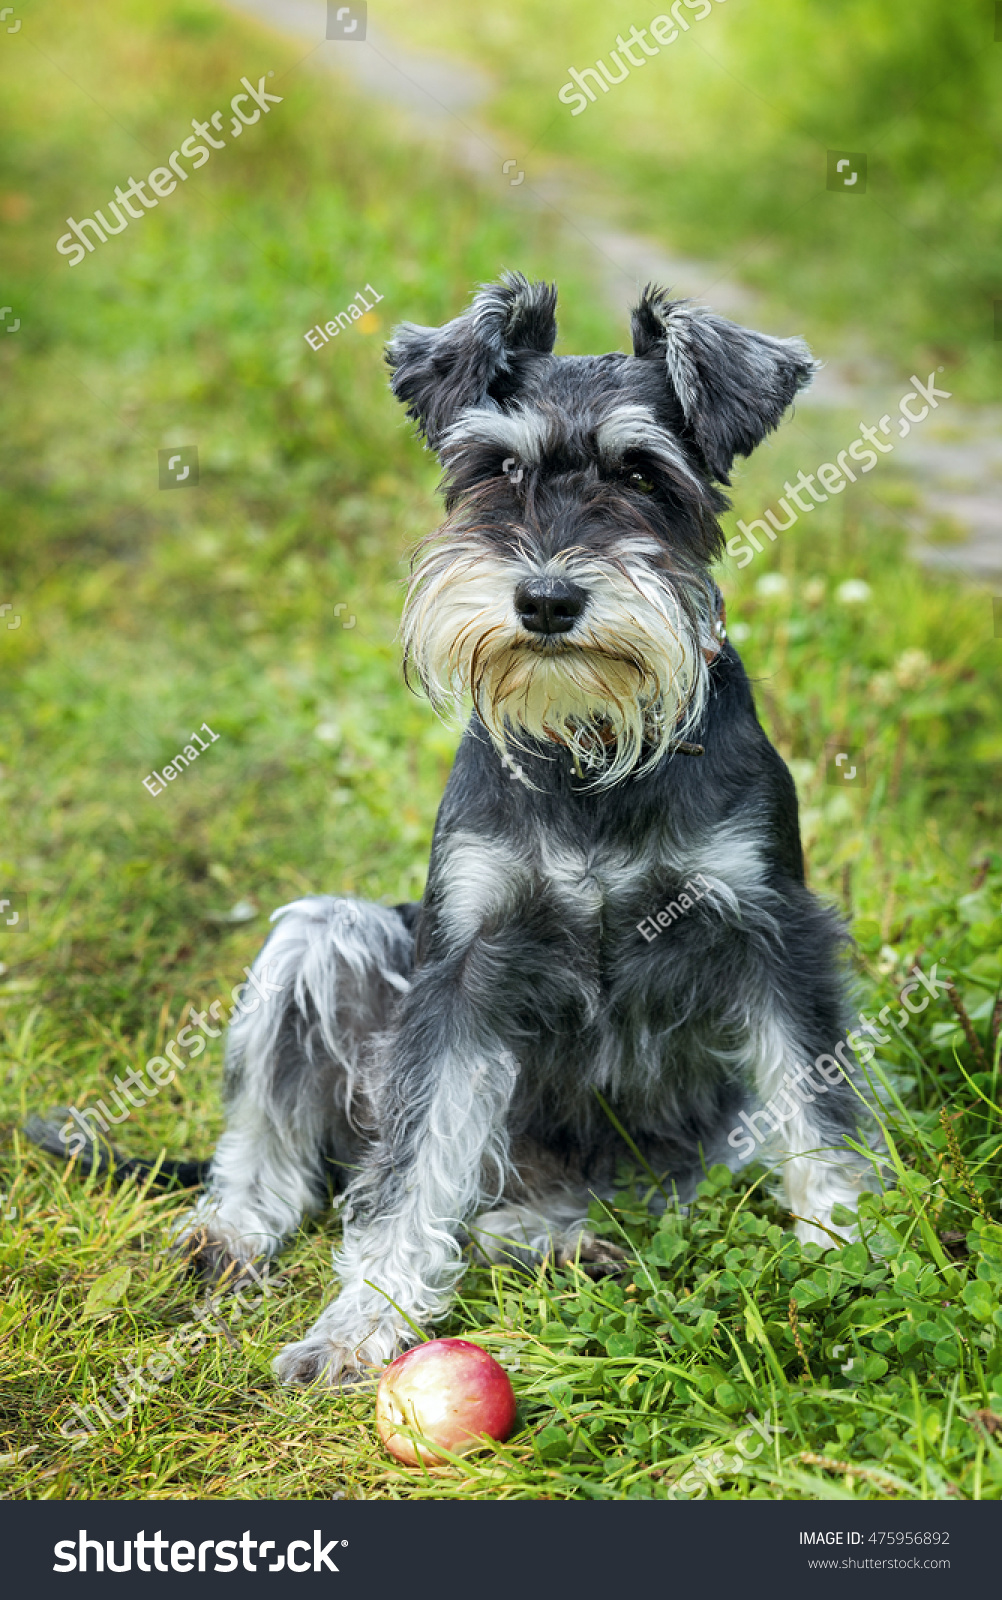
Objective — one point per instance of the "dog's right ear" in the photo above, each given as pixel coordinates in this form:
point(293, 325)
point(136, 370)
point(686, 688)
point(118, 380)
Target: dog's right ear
point(732, 383)
point(438, 372)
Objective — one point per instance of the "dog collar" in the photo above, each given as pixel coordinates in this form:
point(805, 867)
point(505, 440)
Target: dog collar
point(711, 644)
point(713, 639)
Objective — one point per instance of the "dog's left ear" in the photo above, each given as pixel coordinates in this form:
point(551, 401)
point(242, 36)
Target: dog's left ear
point(733, 384)
point(438, 372)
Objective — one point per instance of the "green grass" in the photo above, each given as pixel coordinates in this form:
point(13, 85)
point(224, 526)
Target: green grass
point(144, 615)
point(717, 147)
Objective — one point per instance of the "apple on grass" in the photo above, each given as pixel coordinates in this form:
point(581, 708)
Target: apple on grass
point(448, 1390)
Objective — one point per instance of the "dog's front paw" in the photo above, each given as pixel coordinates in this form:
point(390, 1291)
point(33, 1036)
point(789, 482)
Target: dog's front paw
point(210, 1259)
point(599, 1258)
point(330, 1358)
point(315, 1360)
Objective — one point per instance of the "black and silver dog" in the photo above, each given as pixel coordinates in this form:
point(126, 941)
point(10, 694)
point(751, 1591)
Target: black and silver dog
point(450, 1052)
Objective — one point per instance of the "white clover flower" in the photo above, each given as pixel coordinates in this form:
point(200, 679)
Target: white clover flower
point(882, 688)
point(772, 583)
point(887, 960)
point(853, 592)
point(912, 668)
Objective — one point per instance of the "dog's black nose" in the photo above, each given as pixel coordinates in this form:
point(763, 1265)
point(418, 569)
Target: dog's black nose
point(549, 605)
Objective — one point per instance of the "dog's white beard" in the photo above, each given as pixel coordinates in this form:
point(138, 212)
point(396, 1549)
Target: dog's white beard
point(630, 674)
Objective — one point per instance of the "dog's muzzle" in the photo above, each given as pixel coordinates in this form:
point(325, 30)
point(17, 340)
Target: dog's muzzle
point(549, 605)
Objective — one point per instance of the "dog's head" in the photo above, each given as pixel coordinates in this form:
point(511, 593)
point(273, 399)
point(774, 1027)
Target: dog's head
point(569, 589)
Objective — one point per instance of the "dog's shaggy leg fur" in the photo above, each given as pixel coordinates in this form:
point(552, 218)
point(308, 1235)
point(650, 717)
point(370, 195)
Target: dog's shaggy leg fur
point(817, 1169)
point(445, 1143)
point(334, 970)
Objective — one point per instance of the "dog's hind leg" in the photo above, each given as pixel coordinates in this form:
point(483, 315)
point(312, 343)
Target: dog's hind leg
point(326, 981)
point(543, 1216)
point(553, 1227)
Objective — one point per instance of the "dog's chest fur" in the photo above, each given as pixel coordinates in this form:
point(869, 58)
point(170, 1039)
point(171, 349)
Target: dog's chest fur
point(549, 896)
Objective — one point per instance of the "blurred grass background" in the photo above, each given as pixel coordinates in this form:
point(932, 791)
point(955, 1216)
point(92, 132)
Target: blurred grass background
point(144, 614)
point(718, 144)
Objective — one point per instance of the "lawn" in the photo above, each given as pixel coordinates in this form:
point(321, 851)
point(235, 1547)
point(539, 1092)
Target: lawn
point(265, 603)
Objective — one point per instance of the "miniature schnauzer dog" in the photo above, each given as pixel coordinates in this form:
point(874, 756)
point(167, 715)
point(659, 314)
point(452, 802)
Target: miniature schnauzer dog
point(469, 1063)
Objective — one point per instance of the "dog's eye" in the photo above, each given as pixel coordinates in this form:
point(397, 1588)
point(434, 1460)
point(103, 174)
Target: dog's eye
point(638, 481)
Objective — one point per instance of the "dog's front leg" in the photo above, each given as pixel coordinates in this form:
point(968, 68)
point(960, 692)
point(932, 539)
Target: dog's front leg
point(816, 1117)
point(442, 1112)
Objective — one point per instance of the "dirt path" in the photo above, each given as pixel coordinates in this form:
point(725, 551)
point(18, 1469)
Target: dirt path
point(954, 462)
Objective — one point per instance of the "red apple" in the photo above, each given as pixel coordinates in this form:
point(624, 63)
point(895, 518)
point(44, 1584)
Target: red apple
point(450, 1391)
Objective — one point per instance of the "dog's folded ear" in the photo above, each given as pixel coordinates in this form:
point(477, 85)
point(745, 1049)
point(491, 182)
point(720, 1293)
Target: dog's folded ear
point(732, 384)
point(438, 372)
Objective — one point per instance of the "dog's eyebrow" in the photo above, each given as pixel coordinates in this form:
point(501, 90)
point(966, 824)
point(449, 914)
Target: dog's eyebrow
point(633, 427)
point(527, 434)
